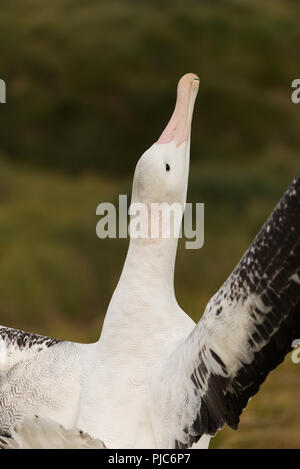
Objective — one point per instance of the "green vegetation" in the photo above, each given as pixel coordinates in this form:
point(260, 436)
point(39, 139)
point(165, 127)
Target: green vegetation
point(90, 86)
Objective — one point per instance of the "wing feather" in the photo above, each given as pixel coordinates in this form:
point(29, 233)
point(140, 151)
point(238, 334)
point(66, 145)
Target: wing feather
point(247, 329)
point(40, 433)
point(17, 345)
point(41, 375)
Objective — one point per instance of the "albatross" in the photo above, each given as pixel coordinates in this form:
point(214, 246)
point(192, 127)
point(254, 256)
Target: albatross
point(155, 379)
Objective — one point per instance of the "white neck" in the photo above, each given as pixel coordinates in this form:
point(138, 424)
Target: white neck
point(145, 290)
point(146, 286)
point(150, 264)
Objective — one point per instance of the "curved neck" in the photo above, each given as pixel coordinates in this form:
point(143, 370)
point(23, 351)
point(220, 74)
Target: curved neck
point(144, 292)
point(150, 264)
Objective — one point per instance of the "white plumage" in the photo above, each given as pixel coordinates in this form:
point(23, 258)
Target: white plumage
point(155, 379)
point(40, 433)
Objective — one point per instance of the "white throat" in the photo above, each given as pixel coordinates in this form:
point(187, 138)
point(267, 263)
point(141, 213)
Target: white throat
point(145, 291)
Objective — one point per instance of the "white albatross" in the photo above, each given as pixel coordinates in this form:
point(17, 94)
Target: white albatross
point(155, 379)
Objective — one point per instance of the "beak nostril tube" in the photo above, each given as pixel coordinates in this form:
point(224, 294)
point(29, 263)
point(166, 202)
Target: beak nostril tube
point(179, 127)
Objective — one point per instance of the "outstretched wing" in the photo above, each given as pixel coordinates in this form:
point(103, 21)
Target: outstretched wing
point(39, 375)
point(246, 331)
point(18, 346)
point(40, 433)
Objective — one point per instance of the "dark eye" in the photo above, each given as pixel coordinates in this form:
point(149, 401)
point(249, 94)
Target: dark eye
point(167, 167)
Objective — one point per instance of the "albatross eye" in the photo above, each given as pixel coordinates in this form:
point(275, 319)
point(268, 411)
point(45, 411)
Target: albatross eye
point(167, 167)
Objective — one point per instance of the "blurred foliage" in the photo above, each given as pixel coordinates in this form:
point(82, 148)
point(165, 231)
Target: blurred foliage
point(90, 86)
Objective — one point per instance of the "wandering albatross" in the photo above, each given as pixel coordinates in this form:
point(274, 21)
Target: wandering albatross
point(155, 379)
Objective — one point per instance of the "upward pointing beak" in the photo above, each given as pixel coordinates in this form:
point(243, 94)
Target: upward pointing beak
point(178, 129)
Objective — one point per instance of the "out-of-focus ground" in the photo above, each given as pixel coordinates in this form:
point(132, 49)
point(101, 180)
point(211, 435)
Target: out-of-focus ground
point(90, 86)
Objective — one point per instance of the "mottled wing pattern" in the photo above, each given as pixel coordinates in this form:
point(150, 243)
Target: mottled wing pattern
point(246, 331)
point(40, 433)
point(18, 393)
point(16, 345)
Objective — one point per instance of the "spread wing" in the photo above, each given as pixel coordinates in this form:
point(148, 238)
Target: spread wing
point(39, 375)
point(16, 346)
point(247, 329)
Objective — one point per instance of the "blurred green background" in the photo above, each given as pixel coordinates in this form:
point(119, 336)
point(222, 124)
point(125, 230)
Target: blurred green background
point(90, 86)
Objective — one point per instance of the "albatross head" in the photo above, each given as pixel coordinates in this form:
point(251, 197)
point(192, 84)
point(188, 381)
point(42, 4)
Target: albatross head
point(161, 174)
point(160, 179)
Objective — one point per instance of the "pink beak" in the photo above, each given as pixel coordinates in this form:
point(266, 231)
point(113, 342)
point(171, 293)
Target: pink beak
point(178, 129)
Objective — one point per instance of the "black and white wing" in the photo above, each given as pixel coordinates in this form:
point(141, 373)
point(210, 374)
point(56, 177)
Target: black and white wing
point(40, 433)
point(16, 346)
point(38, 375)
point(247, 329)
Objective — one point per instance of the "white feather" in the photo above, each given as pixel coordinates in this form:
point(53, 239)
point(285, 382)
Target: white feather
point(40, 433)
